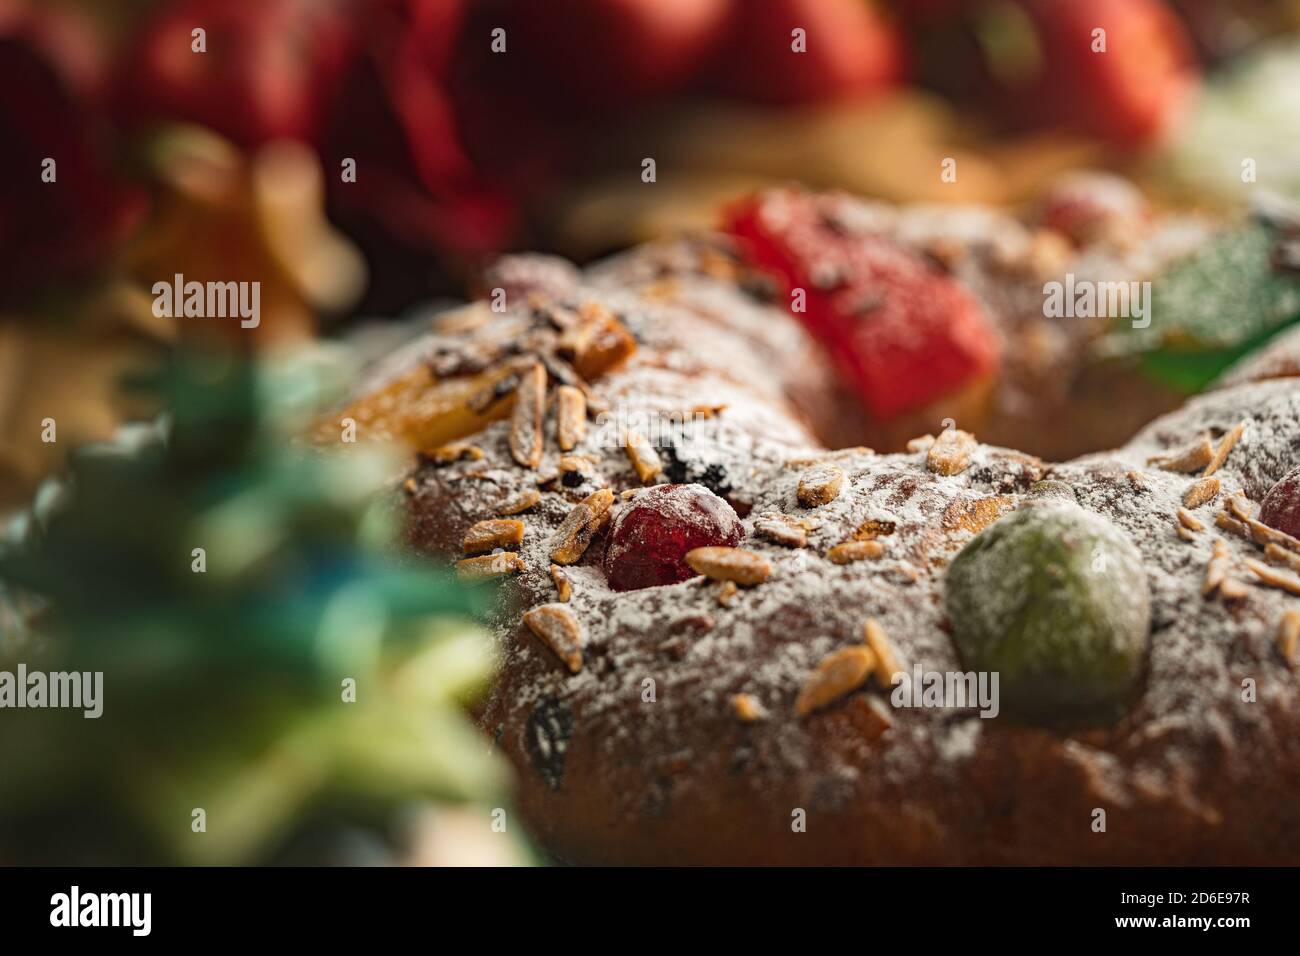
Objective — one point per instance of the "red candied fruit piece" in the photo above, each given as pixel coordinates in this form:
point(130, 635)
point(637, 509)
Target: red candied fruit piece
point(901, 332)
point(649, 539)
point(1281, 508)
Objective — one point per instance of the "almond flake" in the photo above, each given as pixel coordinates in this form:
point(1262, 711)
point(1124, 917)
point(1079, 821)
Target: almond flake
point(1200, 492)
point(849, 551)
point(1232, 590)
point(488, 566)
point(920, 443)
point(1239, 507)
point(1288, 636)
point(820, 485)
point(526, 418)
point(951, 452)
point(517, 504)
point(570, 417)
point(1263, 535)
point(410, 486)
point(974, 515)
point(1228, 523)
point(1273, 577)
point(1226, 445)
point(492, 534)
point(1139, 481)
point(886, 660)
point(747, 708)
point(1185, 533)
point(727, 592)
point(708, 411)
point(1188, 460)
point(838, 674)
point(729, 564)
point(562, 584)
point(1216, 571)
point(1189, 520)
point(1280, 555)
point(781, 529)
point(558, 629)
point(645, 461)
point(456, 451)
point(874, 528)
point(579, 526)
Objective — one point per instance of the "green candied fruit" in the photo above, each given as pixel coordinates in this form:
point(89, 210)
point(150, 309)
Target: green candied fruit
point(1053, 598)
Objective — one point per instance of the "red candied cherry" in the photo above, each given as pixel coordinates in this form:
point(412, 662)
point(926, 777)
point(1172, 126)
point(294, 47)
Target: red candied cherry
point(1091, 206)
point(649, 539)
point(1281, 508)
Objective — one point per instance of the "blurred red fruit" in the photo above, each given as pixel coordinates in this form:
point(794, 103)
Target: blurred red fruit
point(1132, 91)
point(50, 84)
point(268, 68)
point(609, 53)
point(416, 191)
point(1119, 70)
point(849, 48)
point(902, 333)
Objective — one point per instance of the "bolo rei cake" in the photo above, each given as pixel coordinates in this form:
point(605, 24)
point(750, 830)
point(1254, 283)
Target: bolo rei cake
point(731, 632)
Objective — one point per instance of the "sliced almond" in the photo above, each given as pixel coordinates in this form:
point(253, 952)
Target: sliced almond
point(579, 526)
point(1226, 522)
point(1288, 636)
point(570, 417)
point(886, 660)
point(1274, 577)
point(410, 486)
point(456, 451)
point(1187, 460)
point(1200, 492)
point(1216, 571)
point(781, 529)
point(1280, 555)
point(1264, 535)
point(838, 674)
point(489, 566)
point(1226, 444)
point(729, 564)
point(849, 551)
point(951, 452)
point(562, 585)
point(1189, 520)
point(526, 417)
point(747, 708)
point(1232, 590)
point(920, 443)
point(727, 592)
point(874, 528)
point(1239, 507)
point(518, 504)
point(558, 629)
point(645, 461)
point(1186, 534)
point(1139, 481)
point(492, 534)
point(820, 485)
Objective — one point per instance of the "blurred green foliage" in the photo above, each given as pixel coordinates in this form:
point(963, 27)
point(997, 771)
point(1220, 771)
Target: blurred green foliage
point(224, 687)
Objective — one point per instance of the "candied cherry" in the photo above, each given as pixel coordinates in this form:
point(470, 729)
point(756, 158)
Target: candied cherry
point(1281, 508)
point(649, 538)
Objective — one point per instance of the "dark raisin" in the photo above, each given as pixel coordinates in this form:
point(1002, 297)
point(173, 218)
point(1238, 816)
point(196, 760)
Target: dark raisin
point(546, 738)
